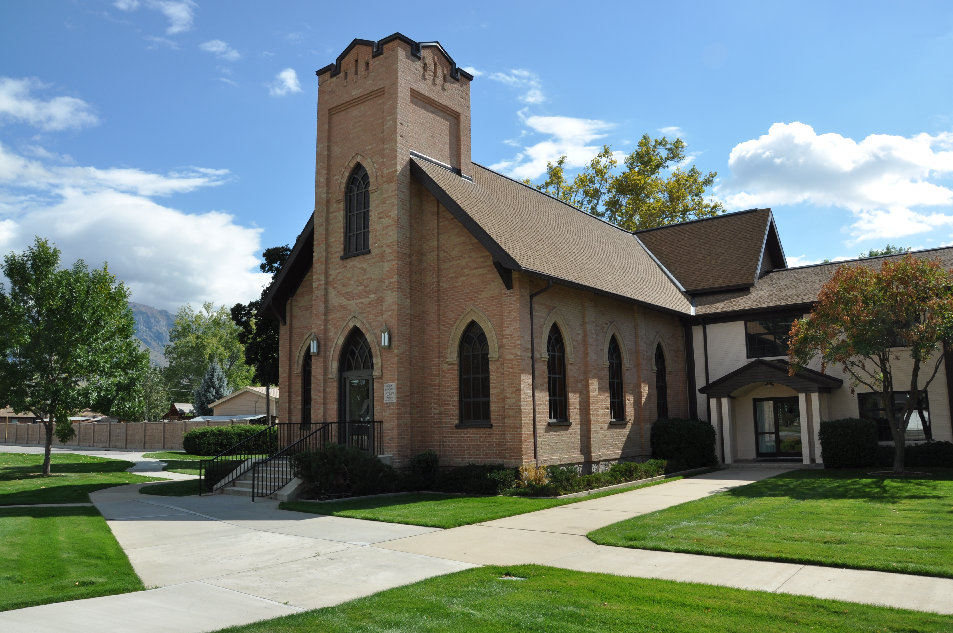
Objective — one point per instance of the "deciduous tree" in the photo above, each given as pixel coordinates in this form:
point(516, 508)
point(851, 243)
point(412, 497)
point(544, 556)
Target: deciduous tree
point(66, 339)
point(870, 322)
point(652, 189)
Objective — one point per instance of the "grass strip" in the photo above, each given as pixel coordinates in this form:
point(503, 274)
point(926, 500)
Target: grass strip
point(56, 554)
point(442, 510)
point(73, 478)
point(838, 518)
point(533, 598)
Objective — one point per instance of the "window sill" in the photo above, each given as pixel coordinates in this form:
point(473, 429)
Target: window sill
point(560, 423)
point(357, 254)
point(618, 422)
point(474, 425)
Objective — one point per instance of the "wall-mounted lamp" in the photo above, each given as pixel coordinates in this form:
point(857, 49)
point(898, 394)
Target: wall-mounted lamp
point(385, 338)
point(314, 347)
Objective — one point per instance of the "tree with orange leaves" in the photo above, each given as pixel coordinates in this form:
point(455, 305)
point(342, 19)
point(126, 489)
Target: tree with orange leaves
point(871, 321)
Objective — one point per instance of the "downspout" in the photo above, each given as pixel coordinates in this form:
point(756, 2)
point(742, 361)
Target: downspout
point(532, 365)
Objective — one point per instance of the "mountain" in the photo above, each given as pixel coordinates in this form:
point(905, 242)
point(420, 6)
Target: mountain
point(152, 330)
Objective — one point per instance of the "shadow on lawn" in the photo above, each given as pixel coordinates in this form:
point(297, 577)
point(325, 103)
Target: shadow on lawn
point(34, 471)
point(850, 484)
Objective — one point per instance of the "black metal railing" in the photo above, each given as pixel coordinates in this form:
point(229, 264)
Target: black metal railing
point(236, 460)
point(274, 473)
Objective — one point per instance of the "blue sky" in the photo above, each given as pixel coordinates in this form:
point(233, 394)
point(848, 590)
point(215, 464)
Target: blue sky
point(175, 139)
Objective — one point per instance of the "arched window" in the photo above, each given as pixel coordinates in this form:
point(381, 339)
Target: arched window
point(474, 361)
point(357, 205)
point(661, 389)
point(306, 390)
point(616, 397)
point(556, 370)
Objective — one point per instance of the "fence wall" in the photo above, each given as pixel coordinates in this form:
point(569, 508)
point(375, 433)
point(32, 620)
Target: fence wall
point(145, 436)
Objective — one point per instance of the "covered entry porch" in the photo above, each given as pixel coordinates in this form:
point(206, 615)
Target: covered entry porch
point(760, 412)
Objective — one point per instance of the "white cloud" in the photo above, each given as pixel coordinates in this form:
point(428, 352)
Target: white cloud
point(525, 80)
point(472, 70)
point(221, 50)
point(672, 130)
point(165, 256)
point(885, 181)
point(285, 82)
point(567, 136)
point(180, 13)
point(59, 113)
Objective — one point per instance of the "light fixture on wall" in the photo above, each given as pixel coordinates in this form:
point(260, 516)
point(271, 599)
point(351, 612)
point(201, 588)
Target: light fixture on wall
point(314, 347)
point(385, 338)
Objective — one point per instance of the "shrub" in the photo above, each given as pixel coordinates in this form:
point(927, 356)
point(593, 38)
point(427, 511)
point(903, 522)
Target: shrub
point(533, 475)
point(684, 444)
point(505, 478)
point(423, 470)
point(338, 470)
point(563, 479)
point(848, 443)
point(477, 479)
point(212, 440)
point(925, 455)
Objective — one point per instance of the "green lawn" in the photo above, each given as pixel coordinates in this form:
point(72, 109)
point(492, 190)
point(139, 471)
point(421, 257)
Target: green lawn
point(172, 488)
point(179, 462)
point(73, 478)
point(829, 517)
point(441, 510)
point(544, 599)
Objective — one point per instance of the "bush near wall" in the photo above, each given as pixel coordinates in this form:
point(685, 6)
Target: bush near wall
point(683, 444)
point(338, 470)
point(925, 455)
point(848, 443)
point(212, 440)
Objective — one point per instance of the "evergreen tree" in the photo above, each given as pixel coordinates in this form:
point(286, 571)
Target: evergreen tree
point(214, 387)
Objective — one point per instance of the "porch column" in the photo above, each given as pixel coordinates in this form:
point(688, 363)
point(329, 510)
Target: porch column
point(714, 416)
point(804, 412)
point(726, 429)
point(815, 439)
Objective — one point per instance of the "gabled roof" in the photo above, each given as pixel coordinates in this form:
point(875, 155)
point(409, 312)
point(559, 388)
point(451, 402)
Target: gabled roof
point(256, 391)
point(291, 274)
point(773, 371)
point(720, 253)
point(796, 287)
point(531, 232)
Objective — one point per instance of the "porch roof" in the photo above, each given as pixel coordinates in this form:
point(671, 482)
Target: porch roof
point(771, 371)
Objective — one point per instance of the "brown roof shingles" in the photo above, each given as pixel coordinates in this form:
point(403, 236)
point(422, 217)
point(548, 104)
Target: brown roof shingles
point(712, 254)
point(536, 233)
point(795, 286)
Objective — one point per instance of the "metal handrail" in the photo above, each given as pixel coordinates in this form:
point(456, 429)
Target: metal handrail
point(235, 460)
point(362, 435)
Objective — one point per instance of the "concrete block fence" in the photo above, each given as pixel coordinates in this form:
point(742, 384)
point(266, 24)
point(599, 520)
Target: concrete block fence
point(145, 436)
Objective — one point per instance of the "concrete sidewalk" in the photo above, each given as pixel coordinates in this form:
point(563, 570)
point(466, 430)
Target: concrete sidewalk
point(221, 560)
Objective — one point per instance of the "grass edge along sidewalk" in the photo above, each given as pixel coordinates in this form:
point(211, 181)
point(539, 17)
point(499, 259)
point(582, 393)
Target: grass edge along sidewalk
point(842, 518)
point(536, 598)
point(55, 554)
point(445, 510)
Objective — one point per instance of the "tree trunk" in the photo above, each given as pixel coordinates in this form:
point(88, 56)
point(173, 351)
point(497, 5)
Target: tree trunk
point(898, 454)
point(48, 428)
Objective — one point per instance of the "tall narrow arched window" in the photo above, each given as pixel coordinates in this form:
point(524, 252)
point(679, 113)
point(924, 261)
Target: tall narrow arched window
point(306, 390)
point(661, 388)
point(474, 361)
point(357, 207)
point(616, 397)
point(556, 370)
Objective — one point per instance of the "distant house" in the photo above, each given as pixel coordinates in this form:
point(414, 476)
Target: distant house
point(180, 411)
point(9, 416)
point(247, 401)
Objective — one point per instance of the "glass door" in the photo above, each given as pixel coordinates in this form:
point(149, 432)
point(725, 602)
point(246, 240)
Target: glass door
point(777, 427)
point(359, 412)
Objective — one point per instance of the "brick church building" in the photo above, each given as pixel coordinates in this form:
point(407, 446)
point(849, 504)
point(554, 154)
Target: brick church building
point(431, 303)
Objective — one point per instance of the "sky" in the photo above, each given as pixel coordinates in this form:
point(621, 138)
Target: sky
point(174, 139)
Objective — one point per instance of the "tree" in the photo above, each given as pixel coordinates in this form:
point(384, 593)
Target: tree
point(155, 394)
point(67, 338)
point(864, 316)
point(260, 335)
point(889, 249)
point(651, 190)
point(214, 387)
point(195, 340)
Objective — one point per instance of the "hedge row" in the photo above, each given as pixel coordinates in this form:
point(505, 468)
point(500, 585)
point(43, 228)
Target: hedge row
point(563, 480)
point(683, 444)
point(213, 440)
point(852, 443)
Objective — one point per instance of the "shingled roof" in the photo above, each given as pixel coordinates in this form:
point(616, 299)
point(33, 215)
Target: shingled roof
point(724, 252)
point(529, 231)
point(795, 287)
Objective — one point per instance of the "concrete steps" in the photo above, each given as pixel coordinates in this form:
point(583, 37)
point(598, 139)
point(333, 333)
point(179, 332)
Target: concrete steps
point(272, 475)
